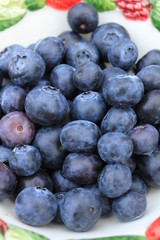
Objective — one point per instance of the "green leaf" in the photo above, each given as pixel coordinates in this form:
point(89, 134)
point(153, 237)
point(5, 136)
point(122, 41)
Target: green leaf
point(102, 5)
point(1, 237)
point(120, 238)
point(155, 14)
point(33, 5)
point(11, 12)
point(16, 233)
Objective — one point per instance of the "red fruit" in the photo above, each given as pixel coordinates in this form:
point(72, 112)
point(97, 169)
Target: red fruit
point(153, 231)
point(3, 226)
point(135, 9)
point(62, 5)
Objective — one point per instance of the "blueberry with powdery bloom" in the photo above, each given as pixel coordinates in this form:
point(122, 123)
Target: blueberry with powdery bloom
point(69, 38)
point(5, 153)
point(138, 185)
point(150, 58)
point(59, 197)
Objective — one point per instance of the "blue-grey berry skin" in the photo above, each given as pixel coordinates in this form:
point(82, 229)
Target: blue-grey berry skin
point(88, 77)
point(5, 153)
point(69, 38)
point(111, 72)
point(60, 183)
point(89, 106)
point(82, 18)
point(26, 68)
point(1, 78)
point(81, 53)
point(25, 160)
point(115, 180)
point(123, 91)
point(80, 210)
point(31, 46)
point(150, 77)
point(82, 168)
point(49, 47)
point(131, 163)
point(145, 139)
point(138, 185)
point(48, 143)
point(46, 105)
point(107, 35)
point(35, 206)
point(59, 197)
point(130, 206)
point(119, 120)
point(80, 136)
point(150, 58)
point(123, 53)
point(115, 147)
point(62, 78)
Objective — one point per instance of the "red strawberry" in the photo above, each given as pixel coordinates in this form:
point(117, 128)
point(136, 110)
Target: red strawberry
point(62, 5)
point(135, 9)
point(153, 231)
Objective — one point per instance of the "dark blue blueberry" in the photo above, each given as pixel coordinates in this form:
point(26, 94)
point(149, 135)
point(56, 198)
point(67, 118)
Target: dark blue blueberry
point(111, 72)
point(69, 38)
point(5, 153)
point(115, 180)
point(81, 53)
point(80, 136)
point(119, 120)
point(5, 56)
point(150, 77)
point(89, 106)
point(138, 185)
point(115, 147)
point(82, 168)
point(51, 50)
point(149, 167)
point(46, 105)
point(62, 78)
point(60, 183)
point(88, 77)
point(145, 139)
point(107, 35)
point(12, 98)
point(26, 68)
point(123, 91)
point(1, 78)
point(59, 197)
point(31, 46)
point(42, 83)
point(148, 110)
point(131, 163)
point(130, 206)
point(35, 206)
point(80, 210)
point(123, 53)
point(25, 160)
point(47, 141)
point(82, 18)
point(68, 117)
point(150, 58)
point(8, 181)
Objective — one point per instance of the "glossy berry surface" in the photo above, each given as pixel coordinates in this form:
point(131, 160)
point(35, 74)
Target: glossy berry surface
point(69, 38)
point(111, 72)
point(150, 58)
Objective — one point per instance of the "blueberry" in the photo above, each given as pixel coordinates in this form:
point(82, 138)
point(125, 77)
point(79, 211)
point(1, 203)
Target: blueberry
point(123, 91)
point(150, 77)
point(31, 46)
point(148, 110)
point(43, 83)
point(150, 58)
point(5, 153)
point(89, 106)
point(69, 38)
point(47, 141)
point(59, 197)
point(145, 139)
point(16, 129)
point(81, 53)
point(80, 210)
point(107, 35)
point(26, 68)
point(80, 136)
point(119, 120)
point(115, 180)
point(88, 77)
point(60, 183)
point(12, 98)
point(62, 78)
point(131, 163)
point(49, 47)
point(46, 105)
point(111, 72)
point(123, 53)
point(8, 181)
point(25, 160)
point(82, 168)
point(138, 185)
point(115, 147)
point(5, 56)
point(82, 18)
point(35, 206)
point(130, 206)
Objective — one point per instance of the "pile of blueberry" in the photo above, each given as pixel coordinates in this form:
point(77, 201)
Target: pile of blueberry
point(79, 125)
